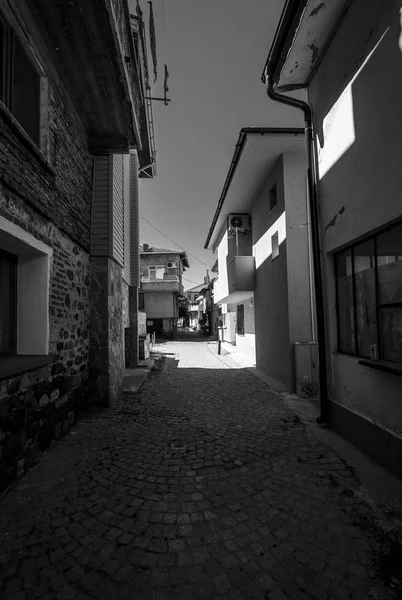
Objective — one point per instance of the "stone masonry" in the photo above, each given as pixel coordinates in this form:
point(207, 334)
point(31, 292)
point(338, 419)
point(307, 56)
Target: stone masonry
point(109, 313)
point(39, 405)
point(48, 194)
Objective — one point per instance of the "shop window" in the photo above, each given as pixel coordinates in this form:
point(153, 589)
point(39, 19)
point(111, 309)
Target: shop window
point(20, 81)
point(240, 319)
point(369, 297)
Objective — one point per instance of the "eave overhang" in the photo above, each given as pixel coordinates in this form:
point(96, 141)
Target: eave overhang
point(91, 48)
point(256, 152)
point(147, 152)
point(304, 32)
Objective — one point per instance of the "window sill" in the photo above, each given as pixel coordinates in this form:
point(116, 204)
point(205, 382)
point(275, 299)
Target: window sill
point(24, 137)
point(14, 365)
point(382, 365)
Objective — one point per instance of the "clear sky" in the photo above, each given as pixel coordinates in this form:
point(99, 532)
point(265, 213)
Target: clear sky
point(215, 51)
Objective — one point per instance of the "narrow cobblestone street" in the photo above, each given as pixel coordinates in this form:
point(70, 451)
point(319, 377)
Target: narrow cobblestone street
point(201, 486)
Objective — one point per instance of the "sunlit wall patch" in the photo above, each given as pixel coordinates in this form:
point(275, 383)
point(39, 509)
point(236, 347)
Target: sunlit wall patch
point(339, 124)
point(263, 248)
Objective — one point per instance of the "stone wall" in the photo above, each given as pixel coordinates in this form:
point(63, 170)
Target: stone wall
point(99, 335)
point(142, 323)
point(39, 405)
point(116, 329)
point(58, 182)
point(125, 306)
point(48, 194)
point(132, 330)
point(109, 300)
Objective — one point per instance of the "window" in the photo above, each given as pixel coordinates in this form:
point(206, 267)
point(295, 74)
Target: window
point(141, 300)
point(273, 198)
point(19, 81)
point(24, 270)
point(240, 319)
point(275, 245)
point(369, 296)
point(8, 303)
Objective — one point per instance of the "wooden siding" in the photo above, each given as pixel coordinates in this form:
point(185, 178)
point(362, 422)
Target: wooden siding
point(100, 207)
point(118, 210)
point(127, 216)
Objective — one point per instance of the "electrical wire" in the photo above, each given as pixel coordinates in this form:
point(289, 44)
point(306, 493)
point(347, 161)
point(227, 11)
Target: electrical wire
point(173, 242)
point(190, 281)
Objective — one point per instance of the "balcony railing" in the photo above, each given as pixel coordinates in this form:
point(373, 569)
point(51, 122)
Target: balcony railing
point(154, 279)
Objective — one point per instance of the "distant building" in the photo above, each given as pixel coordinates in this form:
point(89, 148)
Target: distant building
point(161, 284)
point(194, 309)
point(260, 235)
point(207, 309)
point(347, 56)
point(75, 135)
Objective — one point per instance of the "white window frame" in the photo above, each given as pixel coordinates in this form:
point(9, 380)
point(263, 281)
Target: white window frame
point(33, 280)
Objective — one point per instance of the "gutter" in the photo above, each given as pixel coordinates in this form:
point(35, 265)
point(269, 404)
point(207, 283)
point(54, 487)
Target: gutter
point(244, 132)
point(289, 22)
point(312, 182)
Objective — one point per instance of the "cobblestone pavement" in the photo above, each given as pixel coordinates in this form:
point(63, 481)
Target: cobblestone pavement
point(202, 486)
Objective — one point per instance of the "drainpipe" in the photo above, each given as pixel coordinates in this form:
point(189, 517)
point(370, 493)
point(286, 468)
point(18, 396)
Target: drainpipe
point(315, 234)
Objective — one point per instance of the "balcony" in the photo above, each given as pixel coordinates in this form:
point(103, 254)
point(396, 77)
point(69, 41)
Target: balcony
point(169, 283)
point(240, 282)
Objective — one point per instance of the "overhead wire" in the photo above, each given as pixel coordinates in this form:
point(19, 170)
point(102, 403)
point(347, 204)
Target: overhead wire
point(173, 242)
point(190, 281)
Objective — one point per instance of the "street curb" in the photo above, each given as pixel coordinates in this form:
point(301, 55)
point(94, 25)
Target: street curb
point(134, 378)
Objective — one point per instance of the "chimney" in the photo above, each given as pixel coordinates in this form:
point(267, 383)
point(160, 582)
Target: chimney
point(206, 278)
point(145, 247)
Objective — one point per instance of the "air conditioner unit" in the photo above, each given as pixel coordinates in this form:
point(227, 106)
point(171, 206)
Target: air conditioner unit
point(172, 265)
point(240, 222)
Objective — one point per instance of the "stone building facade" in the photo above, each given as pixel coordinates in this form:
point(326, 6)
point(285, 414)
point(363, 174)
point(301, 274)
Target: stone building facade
point(56, 295)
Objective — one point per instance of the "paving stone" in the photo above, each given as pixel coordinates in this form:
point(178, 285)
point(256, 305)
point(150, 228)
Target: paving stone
point(202, 485)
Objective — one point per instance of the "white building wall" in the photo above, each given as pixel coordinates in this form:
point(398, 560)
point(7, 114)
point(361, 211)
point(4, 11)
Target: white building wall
point(356, 96)
point(246, 343)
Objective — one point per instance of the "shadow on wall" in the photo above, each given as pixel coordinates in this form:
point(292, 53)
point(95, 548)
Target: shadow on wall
point(357, 124)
